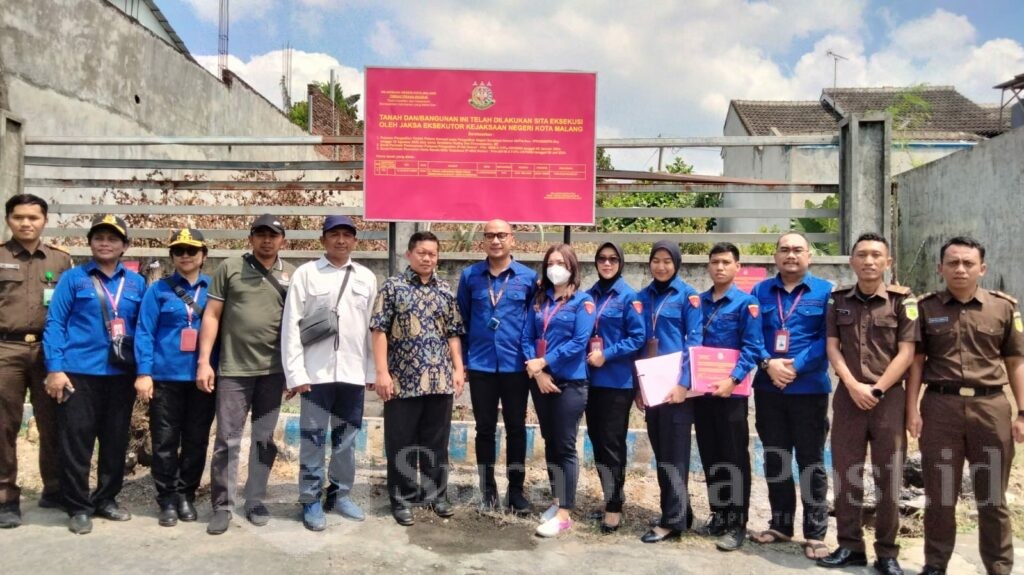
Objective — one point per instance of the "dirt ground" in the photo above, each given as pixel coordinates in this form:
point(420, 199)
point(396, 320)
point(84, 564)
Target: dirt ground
point(468, 543)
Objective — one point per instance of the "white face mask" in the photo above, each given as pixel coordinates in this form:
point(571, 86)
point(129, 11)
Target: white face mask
point(558, 274)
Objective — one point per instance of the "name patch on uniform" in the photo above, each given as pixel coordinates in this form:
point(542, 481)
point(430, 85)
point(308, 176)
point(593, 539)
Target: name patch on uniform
point(10, 266)
point(935, 320)
point(843, 311)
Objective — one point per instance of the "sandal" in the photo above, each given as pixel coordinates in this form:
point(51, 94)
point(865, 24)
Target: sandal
point(769, 536)
point(814, 549)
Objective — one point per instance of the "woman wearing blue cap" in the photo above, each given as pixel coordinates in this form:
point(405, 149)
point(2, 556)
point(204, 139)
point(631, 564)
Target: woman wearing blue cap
point(88, 327)
point(180, 415)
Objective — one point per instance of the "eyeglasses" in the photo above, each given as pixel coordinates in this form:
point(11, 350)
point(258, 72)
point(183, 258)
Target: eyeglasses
point(794, 251)
point(500, 236)
point(607, 259)
point(178, 251)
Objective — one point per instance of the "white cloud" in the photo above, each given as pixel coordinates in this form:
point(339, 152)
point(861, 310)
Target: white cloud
point(263, 73)
point(383, 40)
point(209, 10)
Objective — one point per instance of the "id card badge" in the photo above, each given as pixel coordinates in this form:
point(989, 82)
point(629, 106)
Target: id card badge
point(651, 349)
point(47, 296)
point(493, 323)
point(117, 327)
point(781, 341)
point(542, 348)
point(596, 344)
point(189, 337)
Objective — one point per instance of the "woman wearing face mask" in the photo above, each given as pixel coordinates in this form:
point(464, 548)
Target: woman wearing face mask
point(617, 337)
point(672, 318)
point(93, 304)
point(555, 335)
point(180, 414)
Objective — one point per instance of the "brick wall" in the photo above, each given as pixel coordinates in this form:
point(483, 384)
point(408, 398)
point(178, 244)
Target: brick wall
point(323, 125)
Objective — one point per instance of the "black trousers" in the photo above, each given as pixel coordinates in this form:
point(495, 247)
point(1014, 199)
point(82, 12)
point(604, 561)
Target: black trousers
point(512, 390)
point(789, 423)
point(416, 431)
point(723, 438)
point(180, 417)
point(558, 415)
point(100, 409)
point(607, 424)
point(669, 426)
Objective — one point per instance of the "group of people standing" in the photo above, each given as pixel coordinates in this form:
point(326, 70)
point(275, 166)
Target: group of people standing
point(232, 344)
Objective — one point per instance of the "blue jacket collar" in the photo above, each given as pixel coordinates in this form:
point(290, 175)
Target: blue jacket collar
point(91, 266)
point(730, 294)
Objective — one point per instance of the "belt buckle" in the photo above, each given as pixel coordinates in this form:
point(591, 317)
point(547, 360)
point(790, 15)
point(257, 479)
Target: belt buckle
point(967, 391)
point(30, 338)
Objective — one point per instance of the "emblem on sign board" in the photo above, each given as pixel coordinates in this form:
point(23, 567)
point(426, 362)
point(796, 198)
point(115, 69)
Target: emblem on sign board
point(482, 97)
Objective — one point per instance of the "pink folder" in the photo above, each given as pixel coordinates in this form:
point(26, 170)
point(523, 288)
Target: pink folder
point(709, 365)
point(657, 375)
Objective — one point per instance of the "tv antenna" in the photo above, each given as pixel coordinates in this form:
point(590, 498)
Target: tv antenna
point(835, 66)
point(286, 77)
point(222, 38)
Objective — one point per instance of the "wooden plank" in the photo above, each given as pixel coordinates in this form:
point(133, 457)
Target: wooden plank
point(149, 164)
point(134, 184)
point(164, 233)
point(717, 213)
point(58, 208)
point(704, 188)
point(717, 141)
point(194, 140)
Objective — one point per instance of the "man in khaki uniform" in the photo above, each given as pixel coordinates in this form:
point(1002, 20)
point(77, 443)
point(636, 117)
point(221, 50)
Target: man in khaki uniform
point(972, 345)
point(28, 271)
point(872, 331)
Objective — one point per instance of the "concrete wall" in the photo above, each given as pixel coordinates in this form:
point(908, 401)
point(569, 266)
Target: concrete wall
point(141, 12)
point(978, 192)
point(84, 68)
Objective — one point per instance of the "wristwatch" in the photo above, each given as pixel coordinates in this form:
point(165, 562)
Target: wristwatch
point(734, 380)
point(764, 364)
point(877, 393)
point(1020, 413)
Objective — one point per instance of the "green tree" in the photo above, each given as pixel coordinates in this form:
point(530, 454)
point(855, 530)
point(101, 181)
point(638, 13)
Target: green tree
point(820, 225)
point(299, 113)
point(603, 160)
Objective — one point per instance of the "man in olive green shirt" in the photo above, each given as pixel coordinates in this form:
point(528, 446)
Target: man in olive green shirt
point(244, 310)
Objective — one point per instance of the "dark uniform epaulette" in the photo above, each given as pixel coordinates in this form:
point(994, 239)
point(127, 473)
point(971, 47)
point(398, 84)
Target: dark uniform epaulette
point(1005, 296)
point(902, 290)
point(925, 296)
point(53, 246)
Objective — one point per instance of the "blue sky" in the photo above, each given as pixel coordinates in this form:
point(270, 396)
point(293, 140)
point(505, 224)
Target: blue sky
point(664, 67)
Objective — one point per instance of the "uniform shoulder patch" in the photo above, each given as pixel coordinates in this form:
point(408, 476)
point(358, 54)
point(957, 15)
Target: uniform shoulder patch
point(1018, 324)
point(902, 290)
point(910, 305)
point(638, 306)
point(754, 309)
point(53, 246)
point(589, 306)
point(695, 301)
point(1005, 296)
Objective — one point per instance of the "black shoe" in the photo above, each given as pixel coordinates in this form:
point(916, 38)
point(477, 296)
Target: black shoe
point(51, 501)
point(654, 521)
point(10, 515)
point(113, 512)
point(403, 515)
point(257, 514)
point(517, 502)
point(732, 539)
point(609, 529)
point(887, 566)
point(168, 516)
point(843, 557)
point(187, 509)
point(932, 571)
point(652, 537)
point(714, 527)
point(442, 508)
point(488, 501)
point(80, 524)
point(219, 522)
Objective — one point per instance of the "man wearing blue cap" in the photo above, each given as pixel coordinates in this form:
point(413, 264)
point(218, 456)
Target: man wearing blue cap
point(329, 368)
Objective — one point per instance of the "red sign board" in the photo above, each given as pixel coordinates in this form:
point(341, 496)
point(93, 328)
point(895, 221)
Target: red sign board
point(749, 276)
point(473, 145)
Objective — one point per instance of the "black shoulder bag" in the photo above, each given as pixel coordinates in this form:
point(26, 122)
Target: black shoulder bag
point(121, 352)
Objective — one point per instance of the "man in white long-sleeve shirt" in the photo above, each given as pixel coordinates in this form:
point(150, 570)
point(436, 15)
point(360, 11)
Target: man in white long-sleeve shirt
point(330, 374)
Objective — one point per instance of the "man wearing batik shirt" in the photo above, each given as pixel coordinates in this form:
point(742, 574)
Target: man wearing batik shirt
point(416, 327)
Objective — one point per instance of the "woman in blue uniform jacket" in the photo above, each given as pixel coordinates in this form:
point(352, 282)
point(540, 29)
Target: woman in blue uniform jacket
point(95, 393)
point(673, 323)
point(618, 336)
point(555, 335)
point(180, 414)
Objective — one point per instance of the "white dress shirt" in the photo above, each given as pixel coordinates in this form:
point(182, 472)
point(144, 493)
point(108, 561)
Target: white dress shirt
point(315, 285)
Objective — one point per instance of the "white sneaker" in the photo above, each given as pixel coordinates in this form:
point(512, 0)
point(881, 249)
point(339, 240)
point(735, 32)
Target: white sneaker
point(549, 513)
point(553, 527)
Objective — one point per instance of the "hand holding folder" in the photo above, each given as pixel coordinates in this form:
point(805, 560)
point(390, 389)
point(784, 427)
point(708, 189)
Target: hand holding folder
point(658, 376)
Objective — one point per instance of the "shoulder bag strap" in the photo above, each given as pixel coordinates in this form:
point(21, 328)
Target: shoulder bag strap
point(183, 295)
point(102, 295)
point(251, 260)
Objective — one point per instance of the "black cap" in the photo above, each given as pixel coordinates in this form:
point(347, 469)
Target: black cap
point(267, 221)
point(110, 221)
point(188, 237)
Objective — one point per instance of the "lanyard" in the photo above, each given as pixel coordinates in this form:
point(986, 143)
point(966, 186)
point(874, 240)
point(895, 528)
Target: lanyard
point(718, 307)
point(601, 309)
point(548, 316)
point(490, 289)
point(783, 318)
point(656, 313)
point(188, 308)
point(114, 300)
